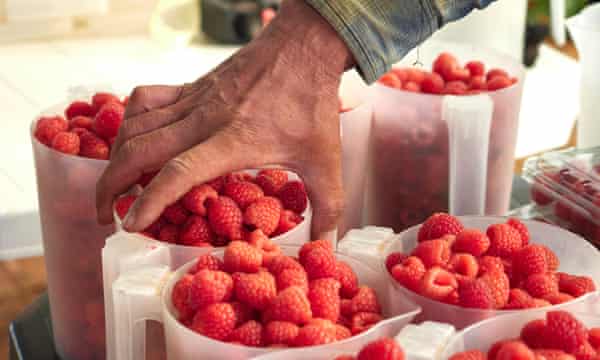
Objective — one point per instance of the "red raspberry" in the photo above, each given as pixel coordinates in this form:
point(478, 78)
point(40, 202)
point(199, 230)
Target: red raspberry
point(533, 334)
point(476, 294)
point(365, 301)
point(292, 277)
point(100, 99)
point(464, 264)
point(470, 355)
point(79, 108)
point(519, 299)
point(444, 63)
point(146, 178)
point(66, 142)
point(255, 290)
point(108, 120)
point(390, 80)
point(438, 225)
point(342, 332)
point(209, 287)
point(530, 260)
point(575, 285)
point(382, 349)
point(93, 147)
point(196, 230)
point(504, 240)
point(564, 331)
point(471, 241)
point(243, 193)
point(169, 233)
point(433, 84)
point(293, 196)
point(585, 352)
point(181, 297)
point(363, 321)
point(551, 259)
point(412, 86)
point(540, 303)
point(318, 333)
point(280, 333)
point(283, 262)
point(241, 257)
point(409, 273)
point(438, 283)
point(259, 240)
point(263, 214)
point(433, 252)
point(123, 204)
point(271, 180)
point(493, 351)
point(217, 183)
point(324, 297)
point(492, 73)
point(346, 308)
point(47, 128)
point(225, 217)
point(456, 87)
point(248, 334)
point(216, 321)
point(290, 305)
point(208, 262)
point(476, 68)
point(594, 337)
point(394, 259)
point(319, 263)
point(347, 278)
point(195, 199)
point(499, 286)
point(490, 264)
point(176, 214)
point(515, 350)
point(550, 354)
point(309, 246)
point(521, 228)
point(287, 221)
point(477, 83)
point(498, 82)
point(243, 312)
point(83, 122)
point(541, 285)
point(558, 298)
point(156, 226)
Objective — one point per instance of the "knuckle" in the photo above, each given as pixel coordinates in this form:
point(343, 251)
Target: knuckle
point(139, 94)
point(178, 167)
point(333, 208)
point(129, 151)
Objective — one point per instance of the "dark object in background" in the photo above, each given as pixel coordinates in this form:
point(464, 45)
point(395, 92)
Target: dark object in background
point(534, 36)
point(233, 21)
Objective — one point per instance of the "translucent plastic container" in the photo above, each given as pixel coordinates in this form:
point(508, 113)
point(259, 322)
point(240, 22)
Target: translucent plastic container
point(410, 150)
point(483, 335)
point(565, 188)
point(576, 257)
point(73, 241)
point(143, 291)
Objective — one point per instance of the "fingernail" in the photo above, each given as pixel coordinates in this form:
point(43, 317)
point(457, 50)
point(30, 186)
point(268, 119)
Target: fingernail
point(129, 220)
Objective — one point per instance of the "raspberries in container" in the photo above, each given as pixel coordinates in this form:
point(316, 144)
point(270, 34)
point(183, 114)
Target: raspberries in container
point(237, 206)
point(380, 349)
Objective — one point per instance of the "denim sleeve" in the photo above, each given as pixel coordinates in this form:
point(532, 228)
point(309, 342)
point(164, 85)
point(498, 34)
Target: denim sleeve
point(381, 32)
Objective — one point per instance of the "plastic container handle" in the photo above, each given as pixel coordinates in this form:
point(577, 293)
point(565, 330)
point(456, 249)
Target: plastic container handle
point(557, 21)
point(136, 298)
point(469, 120)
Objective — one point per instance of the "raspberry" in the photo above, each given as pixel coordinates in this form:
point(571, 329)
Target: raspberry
point(530, 260)
point(83, 122)
point(438, 225)
point(255, 290)
point(271, 180)
point(438, 283)
point(363, 321)
point(346, 307)
point(66, 142)
point(515, 350)
point(325, 299)
point(551, 259)
point(499, 287)
point(390, 80)
point(456, 87)
point(342, 332)
point(292, 277)
point(477, 83)
point(79, 108)
point(504, 240)
point(283, 262)
point(493, 351)
point(243, 312)
point(492, 73)
point(540, 303)
point(576, 285)
point(100, 99)
point(280, 333)
point(558, 298)
point(248, 334)
point(259, 240)
point(243, 193)
point(196, 230)
point(540, 285)
point(216, 321)
point(533, 334)
point(176, 214)
point(208, 262)
point(181, 297)
point(394, 259)
point(498, 82)
point(263, 214)
point(319, 263)
point(365, 300)
point(93, 147)
point(156, 226)
point(458, 74)
point(225, 217)
point(585, 352)
point(217, 184)
point(123, 204)
point(471, 241)
point(444, 63)
point(476, 68)
point(293, 196)
point(347, 278)
point(316, 333)
point(490, 264)
point(242, 257)
point(433, 84)
point(169, 233)
point(412, 86)
point(519, 299)
point(287, 221)
point(470, 355)
point(195, 199)
point(433, 252)
point(409, 273)
point(476, 294)
point(382, 349)
point(521, 228)
point(290, 305)
point(564, 331)
point(108, 120)
point(209, 287)
point(309, 246)
point(464, 264)
point(47, 128)
point(550, 354)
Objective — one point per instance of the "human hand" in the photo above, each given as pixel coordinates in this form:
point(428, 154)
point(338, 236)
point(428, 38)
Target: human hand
point(274, 102)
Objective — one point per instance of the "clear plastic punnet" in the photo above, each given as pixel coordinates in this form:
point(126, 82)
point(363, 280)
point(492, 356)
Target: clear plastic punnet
point(73, 242)
point(411, 150)
point(576, 257)
point(142, 292)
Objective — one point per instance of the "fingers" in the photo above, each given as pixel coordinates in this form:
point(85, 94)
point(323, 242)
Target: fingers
point(146, 98)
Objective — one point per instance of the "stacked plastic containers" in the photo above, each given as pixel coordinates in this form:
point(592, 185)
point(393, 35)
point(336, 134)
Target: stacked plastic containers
point(409, 178)
point(565, 190)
